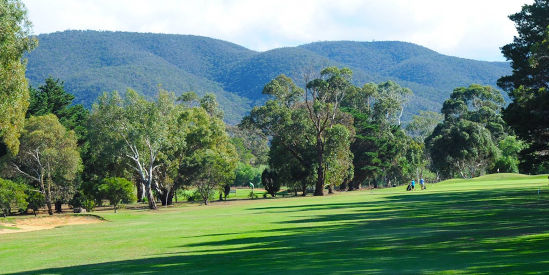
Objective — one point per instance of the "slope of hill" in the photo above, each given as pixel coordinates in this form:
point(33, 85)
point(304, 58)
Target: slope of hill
point(93, 62)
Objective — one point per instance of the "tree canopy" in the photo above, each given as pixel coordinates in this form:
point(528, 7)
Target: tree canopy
point(15, 41)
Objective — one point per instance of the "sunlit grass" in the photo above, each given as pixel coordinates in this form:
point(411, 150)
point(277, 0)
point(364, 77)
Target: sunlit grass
point(493, 224)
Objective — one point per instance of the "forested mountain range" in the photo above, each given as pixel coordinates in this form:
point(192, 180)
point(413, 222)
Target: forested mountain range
point(93, 62)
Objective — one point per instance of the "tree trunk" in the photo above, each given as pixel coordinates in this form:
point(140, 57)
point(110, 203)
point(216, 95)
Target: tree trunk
point(303, 189)
point(150, 196)
point(48, 196)
point(58, 205)
point(319, 188)
point(330, 189)
point(140, 192)
point(171, 194)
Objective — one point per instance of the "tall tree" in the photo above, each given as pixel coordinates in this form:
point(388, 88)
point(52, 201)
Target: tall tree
point(323, 97)
point(51, 98)
point(142, 130)
point(528, 85)
point(465, 142)
point(14, 42)
point(379, 143)
point(48, 156)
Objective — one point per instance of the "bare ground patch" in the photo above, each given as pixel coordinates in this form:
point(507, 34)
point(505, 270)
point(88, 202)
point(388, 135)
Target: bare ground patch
point(48, 222)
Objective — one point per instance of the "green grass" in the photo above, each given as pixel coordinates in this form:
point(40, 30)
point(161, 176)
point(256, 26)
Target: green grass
point(495, 224)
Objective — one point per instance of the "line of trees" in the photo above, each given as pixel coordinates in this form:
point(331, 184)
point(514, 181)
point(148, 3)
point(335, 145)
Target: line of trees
point(329, 134)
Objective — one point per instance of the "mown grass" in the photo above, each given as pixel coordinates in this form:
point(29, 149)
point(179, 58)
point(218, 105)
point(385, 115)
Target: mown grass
point(495, 224)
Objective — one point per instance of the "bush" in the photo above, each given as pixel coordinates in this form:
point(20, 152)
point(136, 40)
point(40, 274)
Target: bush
point(270, 182)
point(12, 196)
point(35, 200)
point(118, 190)
point(88, 204)
point(76, 200)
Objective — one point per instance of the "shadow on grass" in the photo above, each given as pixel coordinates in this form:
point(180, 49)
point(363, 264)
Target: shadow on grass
point(497, 231)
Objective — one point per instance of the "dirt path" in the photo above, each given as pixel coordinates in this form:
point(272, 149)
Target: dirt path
point(40, 223)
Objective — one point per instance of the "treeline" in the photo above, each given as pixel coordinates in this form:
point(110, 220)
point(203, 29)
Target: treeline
point(327, 135)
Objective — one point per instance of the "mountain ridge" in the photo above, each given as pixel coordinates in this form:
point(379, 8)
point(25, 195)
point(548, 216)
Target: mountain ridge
point(93, 62)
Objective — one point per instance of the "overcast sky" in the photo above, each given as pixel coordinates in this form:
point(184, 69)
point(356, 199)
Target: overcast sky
point(466, 28)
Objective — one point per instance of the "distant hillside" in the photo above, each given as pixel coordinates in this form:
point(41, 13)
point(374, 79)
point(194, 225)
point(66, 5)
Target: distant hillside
point(92, 62)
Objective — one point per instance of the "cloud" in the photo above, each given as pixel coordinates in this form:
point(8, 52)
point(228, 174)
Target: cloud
point(468, 28)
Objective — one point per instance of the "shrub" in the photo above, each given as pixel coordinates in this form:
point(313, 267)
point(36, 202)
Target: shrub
point(12, 196)
point(270, 182)
point(118, 190)
point(88, 204)
point(35, 200)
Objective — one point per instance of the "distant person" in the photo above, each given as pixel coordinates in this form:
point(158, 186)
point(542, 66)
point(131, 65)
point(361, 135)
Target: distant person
point(413, 184)
point(422, 182)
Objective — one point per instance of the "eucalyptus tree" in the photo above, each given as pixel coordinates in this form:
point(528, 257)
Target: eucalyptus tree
point(379, 145)
point(323, 97)
point(208, 159)
point(15, 41)
point(48, 157)
point(139, 130)
point(465, 143)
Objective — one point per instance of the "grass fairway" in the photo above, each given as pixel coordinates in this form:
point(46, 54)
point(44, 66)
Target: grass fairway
point(494, 224)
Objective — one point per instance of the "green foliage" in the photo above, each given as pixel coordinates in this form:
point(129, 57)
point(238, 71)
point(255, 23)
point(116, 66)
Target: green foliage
point(14, 42)
point(270, 181)
point(464, 147)
point(49, 158)
point(51, 98)
point(381, 151)
point(252, 146)
point(118, 190)
point(528, 84)
point(35, 200)
point(12, 196)
point(245, 173)
point(465, 143)
point(88, 204)
point(422, 125)
point(508, 161)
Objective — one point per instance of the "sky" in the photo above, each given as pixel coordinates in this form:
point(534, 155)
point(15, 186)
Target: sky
point(474, 29)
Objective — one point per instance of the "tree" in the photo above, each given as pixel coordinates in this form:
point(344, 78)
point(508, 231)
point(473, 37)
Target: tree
point(35, 199)
point(322, 100)
point(252, 147)
point(138, 130)
point(464, 147)
point(509, 149)
point(51, 98)
point(380, 145)
point(245, 173)
point(14, 95)
point(199, 145)
point(12, 195)
point(422, 125)
point(466, 141)
point(339, 159)
point(285, 120)
point(528, 85)
point(48, 157)
point(216, 168)
point(118, 190)
point(270, 181)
